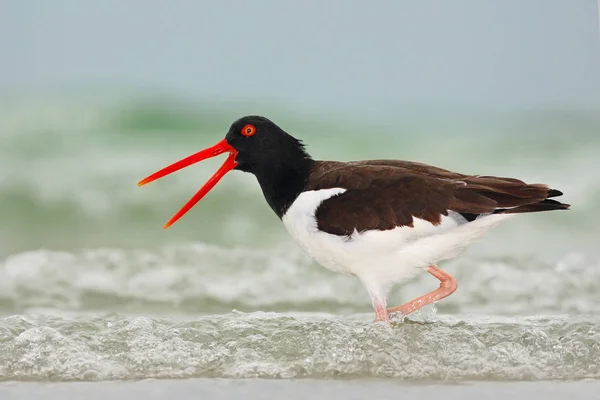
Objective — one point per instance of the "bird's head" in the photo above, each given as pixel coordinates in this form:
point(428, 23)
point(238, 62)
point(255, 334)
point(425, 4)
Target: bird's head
point(255, 144)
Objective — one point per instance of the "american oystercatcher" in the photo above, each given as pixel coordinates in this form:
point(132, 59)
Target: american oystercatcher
point(383, 221)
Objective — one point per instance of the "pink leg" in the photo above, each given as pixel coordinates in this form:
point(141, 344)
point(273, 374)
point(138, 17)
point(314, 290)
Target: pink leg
point(378, 301)
point(447, 287)
point(381, 312)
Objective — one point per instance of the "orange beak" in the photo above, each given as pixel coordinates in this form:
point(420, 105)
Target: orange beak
point(213, 151)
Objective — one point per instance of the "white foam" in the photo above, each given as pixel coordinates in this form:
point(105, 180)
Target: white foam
point(267, 345)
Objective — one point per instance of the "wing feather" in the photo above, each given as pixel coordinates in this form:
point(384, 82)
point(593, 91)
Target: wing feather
point(385, 194)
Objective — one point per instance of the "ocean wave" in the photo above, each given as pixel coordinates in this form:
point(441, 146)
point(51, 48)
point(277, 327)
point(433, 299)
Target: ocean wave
point(69, 165)
point(201, 278)
point(268, 345)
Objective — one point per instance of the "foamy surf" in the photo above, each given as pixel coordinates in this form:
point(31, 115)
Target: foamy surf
point(275, 345)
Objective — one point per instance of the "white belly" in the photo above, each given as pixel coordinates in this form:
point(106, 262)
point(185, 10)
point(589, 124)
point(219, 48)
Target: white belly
point(381, 257)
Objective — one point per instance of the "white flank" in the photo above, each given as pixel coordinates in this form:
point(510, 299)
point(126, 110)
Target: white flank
point(382, 258)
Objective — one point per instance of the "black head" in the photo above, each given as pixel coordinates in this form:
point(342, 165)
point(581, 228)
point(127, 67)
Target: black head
point(261, 144)
point(255, 145)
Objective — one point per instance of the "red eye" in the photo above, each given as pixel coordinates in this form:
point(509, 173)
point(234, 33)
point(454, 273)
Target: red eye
point(248, 130)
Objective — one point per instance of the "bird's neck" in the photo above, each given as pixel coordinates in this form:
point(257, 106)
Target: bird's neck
point(282, 182)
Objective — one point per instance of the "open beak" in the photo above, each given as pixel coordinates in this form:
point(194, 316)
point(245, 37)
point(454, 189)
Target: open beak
point(213, 151)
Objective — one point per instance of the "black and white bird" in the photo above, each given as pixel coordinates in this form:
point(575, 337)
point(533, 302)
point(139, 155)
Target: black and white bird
point(383, 221)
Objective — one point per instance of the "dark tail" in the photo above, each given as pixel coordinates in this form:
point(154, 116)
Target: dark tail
point(554, 193)
point(544, 205)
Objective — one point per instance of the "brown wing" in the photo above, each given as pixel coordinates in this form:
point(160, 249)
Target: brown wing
point(384, 194)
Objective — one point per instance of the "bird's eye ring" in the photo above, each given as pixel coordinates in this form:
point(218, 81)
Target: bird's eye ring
point(248, 130)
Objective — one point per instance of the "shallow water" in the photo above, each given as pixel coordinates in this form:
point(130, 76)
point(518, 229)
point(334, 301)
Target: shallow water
point(113, 314)
point(276, 345)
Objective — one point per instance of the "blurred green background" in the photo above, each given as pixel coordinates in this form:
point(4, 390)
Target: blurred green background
point(96, 95)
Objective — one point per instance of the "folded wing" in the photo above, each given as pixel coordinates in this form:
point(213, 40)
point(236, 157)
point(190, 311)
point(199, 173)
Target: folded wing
point(385, 194)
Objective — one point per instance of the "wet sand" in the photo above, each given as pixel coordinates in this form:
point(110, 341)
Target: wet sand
point(295, 389)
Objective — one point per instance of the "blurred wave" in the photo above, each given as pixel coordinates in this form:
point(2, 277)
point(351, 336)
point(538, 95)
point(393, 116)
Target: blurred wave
point(210, 279)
